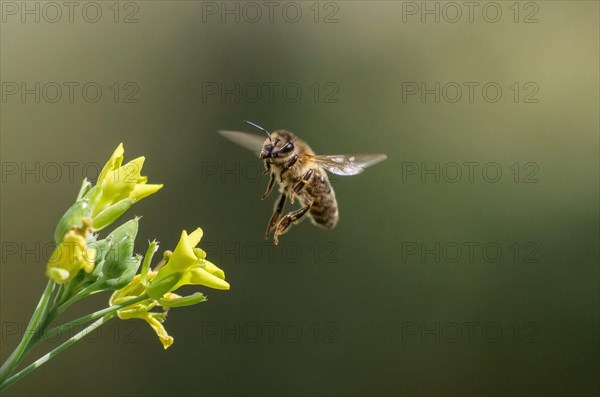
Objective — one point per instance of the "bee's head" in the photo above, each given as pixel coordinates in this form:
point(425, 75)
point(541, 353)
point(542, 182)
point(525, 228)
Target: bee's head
point(279, 144)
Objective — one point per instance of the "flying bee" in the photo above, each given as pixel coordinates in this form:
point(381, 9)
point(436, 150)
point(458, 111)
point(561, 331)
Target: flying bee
point(300, 173)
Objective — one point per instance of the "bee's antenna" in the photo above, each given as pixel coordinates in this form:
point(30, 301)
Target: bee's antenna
point(259, 127)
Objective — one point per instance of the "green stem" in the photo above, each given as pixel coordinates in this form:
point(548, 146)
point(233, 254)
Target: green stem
point(55, 310)
point(59, 293)
point(77, 337)
point(63, 293)
point(64, 304)
point(51, 314)
point(87, 318)
point(38, 316)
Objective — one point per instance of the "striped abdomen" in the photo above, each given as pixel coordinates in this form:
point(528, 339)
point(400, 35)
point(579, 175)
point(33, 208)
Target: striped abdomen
point(324, 211)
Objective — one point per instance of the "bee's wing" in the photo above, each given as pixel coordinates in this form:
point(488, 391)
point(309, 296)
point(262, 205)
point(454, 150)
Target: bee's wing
point(246, 140)
point(349, 164)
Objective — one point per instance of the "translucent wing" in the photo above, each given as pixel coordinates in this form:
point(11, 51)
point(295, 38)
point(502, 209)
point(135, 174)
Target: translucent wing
point(349, 164)
point(251, 142)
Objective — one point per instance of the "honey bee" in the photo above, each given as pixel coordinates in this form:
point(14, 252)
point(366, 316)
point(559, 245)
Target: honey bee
point(300, 173)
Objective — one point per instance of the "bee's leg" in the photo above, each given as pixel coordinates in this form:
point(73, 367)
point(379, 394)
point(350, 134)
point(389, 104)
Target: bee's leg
point(276, 215)
point(287, 221)
point(300, 185)
point(267, 167)
point(270, 187)
point(287, 166)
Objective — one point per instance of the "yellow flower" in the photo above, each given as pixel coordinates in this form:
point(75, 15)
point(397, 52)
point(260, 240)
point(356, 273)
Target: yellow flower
point(70, 257)
point(143, 309)
point(155, 321)
point(117, 182)
point(187, 265)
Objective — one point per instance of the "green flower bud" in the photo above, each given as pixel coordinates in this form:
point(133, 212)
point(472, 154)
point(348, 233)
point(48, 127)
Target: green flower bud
point(130, 268)
point(72, 218)
point(122, 240)
point(111, 214)
point(85, 188)
point(127, 230)
point(116, 267)
point(189, 300)
point(116, 259)
point(152, 248)
point(102, 247)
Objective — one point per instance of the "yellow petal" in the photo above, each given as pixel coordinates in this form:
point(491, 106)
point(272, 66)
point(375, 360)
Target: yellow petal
point(57, 274)
point(132, 170)
point(164, 337)
point(141, 311)
point(90, 258)
point(183, 256)
point(115, 186)
point(170, 296)
point(214, 270)
point(195, 237)
point(70, 257)
point(133, 289)
point(114, 162)
point(199, 276)
point(141, 191)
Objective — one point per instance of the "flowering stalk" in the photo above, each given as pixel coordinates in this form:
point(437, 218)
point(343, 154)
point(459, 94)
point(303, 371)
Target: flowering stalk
point(82, 320)
point(83, 264)
point(38, 315)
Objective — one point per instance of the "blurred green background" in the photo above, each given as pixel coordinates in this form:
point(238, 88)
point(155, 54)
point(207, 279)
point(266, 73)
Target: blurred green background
point(363, 309)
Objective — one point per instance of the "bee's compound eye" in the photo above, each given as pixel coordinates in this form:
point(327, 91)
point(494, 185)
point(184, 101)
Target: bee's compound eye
point(288, 147)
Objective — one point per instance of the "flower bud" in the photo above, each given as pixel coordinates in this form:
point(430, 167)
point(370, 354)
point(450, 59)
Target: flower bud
point(117, 182)
point(101, 247)
point(111, 214)
point(118, 265)
point(130, 268)
point(181, 301)
point(69, 257)
point(72, 218)
point(85, 188)
point(127, 230)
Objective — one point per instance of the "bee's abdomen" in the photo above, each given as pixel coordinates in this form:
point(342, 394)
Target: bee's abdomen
point(324, 210)
point(325, 215)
